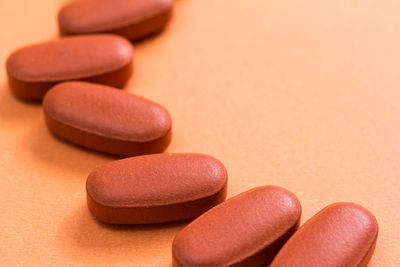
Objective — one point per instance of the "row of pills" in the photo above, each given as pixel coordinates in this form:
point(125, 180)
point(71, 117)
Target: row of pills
point(77, 77)
point(256, 227)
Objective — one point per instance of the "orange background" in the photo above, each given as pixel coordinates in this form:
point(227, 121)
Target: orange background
point(301, 94)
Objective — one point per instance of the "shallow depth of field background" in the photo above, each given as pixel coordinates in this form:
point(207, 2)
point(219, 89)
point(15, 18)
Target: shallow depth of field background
point(301, 94)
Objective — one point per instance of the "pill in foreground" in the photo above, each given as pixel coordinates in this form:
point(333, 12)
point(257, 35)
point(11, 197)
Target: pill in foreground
point(156, 188)
point(107, 119)
point(342, 234)
point(246, 230)
point(133, 19)
point(103, 58)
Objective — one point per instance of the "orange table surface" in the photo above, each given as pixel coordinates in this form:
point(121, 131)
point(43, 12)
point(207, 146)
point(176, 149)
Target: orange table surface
point(301, 94)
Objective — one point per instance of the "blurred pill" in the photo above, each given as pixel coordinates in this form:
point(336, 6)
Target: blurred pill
point(106, 119)
point(105, 59)
point(133, 19)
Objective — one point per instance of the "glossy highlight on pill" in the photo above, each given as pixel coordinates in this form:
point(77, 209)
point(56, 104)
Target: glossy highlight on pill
point(342, 234)
point(107, 119)
point(246, 230)
point(102, 58)
point(133, 19)
point(156, 188)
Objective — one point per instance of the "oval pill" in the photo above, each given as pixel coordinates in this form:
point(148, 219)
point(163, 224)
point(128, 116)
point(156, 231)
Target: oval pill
point(107, 119)
point(246, 230)
point(342, 234)
point(133, 19)
point(103, 58)
point(155, 188)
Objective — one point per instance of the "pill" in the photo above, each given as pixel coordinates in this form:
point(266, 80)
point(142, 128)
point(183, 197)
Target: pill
point(155, 188)
point(342, 234)
point(106, 119)
point(246, 230)
point(104, 58)
point(133, 19)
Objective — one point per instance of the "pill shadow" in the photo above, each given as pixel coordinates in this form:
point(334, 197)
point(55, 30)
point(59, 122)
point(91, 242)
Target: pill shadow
point(62, 154)
point(148, 38)
point(14, 109)
point(85, 233)
point(141, 227)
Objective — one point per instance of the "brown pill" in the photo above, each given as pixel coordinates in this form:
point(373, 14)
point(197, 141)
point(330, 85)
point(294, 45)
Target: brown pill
point(105, 59)
point(106, 119)
point(246, 230)
point(155, 188)
point(133, 19)
point(342, 234)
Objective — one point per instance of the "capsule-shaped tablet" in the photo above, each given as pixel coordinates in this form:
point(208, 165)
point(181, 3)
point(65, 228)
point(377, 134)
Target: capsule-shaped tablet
point(106, 119)
point(104, 58)
point(133, 19)
point(340, 235)
point(246, 230)
point(155, 188)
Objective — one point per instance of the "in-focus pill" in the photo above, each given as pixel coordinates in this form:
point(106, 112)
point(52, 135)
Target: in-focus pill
point(133, 19)
point(104, 58)
point(342, 234)
point(246, 230)
point(155, 188)
point(106, 119)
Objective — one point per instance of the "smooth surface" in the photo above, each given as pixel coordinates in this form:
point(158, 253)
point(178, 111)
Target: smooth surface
point(342, 234)
point(246, 230)
point(300, 94)
point(36, 67)
point(133, 19)
point(107, 119)
point(156, 188)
